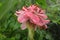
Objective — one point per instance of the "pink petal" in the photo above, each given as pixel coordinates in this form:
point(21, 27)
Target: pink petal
point(42, 12)
point(25, 9)
point(43, 16)
point(23, 26)
point(19, 12)
point(38, 9)
point(22, 18)
point(32, 8)
point(45, 27)
point(46, 21)
point(42, 21)
point(33, 17)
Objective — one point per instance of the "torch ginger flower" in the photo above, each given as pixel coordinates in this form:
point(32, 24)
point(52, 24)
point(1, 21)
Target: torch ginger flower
point(34, 15)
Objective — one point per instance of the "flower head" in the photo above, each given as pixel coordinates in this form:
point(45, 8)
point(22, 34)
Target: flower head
point(34, 15)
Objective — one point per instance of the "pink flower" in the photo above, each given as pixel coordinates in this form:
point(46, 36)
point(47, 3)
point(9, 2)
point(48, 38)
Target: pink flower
point(34, 15)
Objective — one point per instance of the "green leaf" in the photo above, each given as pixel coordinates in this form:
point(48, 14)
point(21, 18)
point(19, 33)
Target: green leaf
point(41, 3)
point(6, 7)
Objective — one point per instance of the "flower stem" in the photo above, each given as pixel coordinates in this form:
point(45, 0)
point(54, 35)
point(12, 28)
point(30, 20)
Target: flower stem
point(30, 31)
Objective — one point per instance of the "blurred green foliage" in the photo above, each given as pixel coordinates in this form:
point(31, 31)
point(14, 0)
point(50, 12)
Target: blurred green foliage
point(9, 26)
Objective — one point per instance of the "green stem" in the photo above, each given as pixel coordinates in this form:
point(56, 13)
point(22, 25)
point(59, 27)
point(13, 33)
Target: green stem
point(30, 31)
